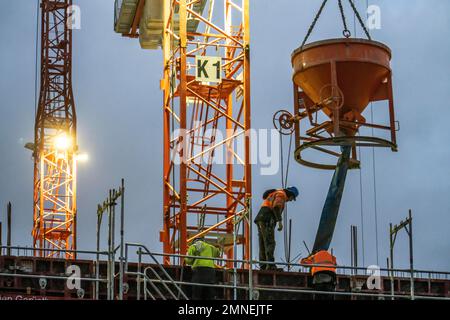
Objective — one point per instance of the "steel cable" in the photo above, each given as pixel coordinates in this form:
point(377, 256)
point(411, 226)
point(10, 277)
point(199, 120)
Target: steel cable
point(361, 190)
point(36, 71)
point(284, 181)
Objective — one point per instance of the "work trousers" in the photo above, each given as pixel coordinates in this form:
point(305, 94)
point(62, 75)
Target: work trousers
point(324, 281)
point(203, 275)
point(266, 234)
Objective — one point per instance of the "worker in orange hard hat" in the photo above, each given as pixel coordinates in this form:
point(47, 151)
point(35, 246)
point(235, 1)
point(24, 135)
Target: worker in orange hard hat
point(324, 276)
point(268, 216)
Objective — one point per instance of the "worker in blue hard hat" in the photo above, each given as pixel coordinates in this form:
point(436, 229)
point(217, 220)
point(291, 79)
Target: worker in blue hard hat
point(268, 216)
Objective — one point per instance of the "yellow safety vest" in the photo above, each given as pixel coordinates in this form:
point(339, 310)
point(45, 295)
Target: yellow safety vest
point(202, 249)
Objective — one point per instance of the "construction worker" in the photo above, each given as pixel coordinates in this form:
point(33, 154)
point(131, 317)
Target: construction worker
point(268, 216)
point(203, 270)
point(324, 276)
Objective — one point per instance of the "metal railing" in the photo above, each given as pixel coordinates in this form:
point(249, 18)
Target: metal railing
point(150, 275)
point(32, 253)
point(159, 265)
point(250, 288)
point(378, 295)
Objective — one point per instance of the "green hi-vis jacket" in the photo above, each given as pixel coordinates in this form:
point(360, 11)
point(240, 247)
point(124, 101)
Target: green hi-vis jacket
point(202, 249)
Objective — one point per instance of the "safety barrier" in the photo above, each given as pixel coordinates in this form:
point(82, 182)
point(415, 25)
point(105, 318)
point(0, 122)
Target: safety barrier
point(355, 272)
point(26, 270)
point(153, 280)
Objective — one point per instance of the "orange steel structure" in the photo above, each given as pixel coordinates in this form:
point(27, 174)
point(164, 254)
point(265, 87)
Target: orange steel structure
point(203, 197)
point(55, 147)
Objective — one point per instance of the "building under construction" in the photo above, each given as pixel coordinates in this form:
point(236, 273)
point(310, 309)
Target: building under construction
point(206, 90)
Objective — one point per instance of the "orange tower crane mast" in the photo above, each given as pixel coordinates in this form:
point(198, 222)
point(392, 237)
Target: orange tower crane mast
point(202, 111)
point(54, 149)
point(205, 194)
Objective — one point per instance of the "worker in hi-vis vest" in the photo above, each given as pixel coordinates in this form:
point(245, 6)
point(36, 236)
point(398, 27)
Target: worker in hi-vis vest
point(268, 216)
point(203, 270)
point(323, 271)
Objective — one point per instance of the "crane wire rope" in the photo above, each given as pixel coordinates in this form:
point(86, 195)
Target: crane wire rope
point(288, 231)
point(375, 191)
point(373, 153)
point(283, 186)
point(284, 181)
point(361, 190)
point(36, 69)
point(356, 14)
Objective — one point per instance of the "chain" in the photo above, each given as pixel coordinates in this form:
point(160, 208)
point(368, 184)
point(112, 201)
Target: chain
point(345, 32)
point(360, 19)
point(311, 27)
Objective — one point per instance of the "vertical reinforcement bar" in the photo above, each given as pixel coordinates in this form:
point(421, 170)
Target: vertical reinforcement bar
point(8, 234)
point(411, 257)
point(122, 242)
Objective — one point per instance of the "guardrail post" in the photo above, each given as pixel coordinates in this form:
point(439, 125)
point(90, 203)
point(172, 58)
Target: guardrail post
point(250, 269)
point(8, 230)
point(234, 258)
point(411, 258)
point(122, 224)
point(138, 279)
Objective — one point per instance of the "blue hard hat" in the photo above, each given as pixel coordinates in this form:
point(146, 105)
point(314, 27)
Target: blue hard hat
point(293, 191)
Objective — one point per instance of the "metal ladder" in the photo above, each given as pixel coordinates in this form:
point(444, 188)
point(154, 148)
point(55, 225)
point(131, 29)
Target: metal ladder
point(147, 280)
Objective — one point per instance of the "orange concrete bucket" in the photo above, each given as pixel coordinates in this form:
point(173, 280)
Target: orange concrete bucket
point(339, 78)
point(355, 69)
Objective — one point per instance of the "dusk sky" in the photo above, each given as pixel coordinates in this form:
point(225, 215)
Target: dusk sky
point(118, 101)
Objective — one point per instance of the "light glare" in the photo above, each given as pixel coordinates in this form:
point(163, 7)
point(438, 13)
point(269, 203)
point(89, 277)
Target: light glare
point(82, 157)
point(62, 142)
